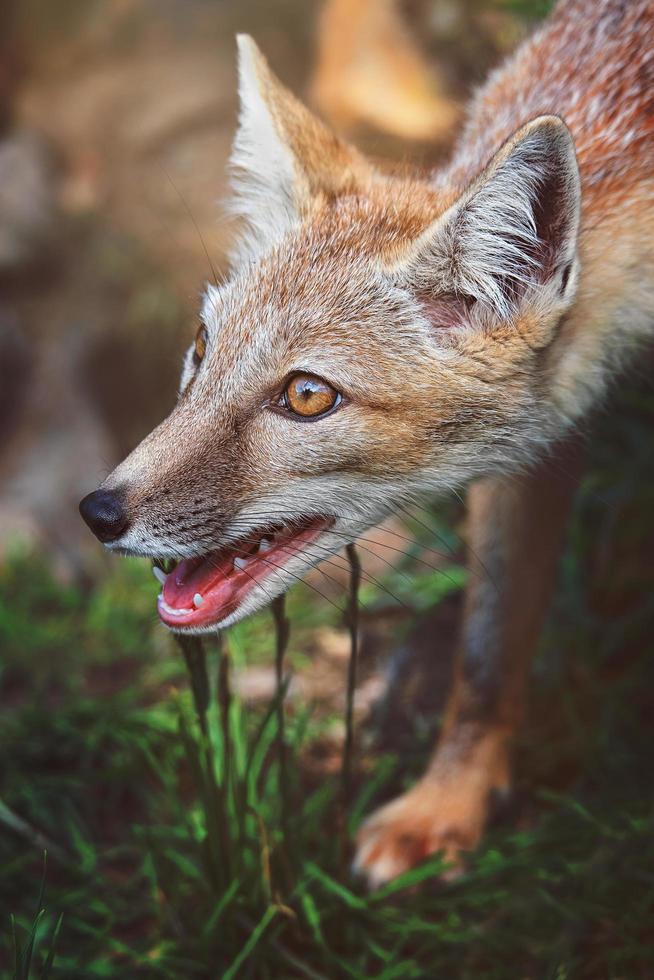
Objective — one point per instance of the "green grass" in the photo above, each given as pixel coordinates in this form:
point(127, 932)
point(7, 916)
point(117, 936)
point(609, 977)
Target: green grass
point(173, 851)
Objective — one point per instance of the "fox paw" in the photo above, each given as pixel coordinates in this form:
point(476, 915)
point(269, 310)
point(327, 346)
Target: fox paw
point(421, 822)
point(446, 811)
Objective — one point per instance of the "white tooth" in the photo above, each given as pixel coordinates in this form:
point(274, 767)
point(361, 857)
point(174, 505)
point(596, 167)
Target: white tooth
point(159, 574)
point(170, 610)
point(240, 563)
point(265, 545)
point(197, 600)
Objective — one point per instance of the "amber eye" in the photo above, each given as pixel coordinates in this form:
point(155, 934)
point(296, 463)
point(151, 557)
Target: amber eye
point(200, 345)
point(308, 396)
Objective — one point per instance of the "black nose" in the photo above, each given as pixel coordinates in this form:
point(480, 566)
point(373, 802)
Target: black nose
point(105, 514)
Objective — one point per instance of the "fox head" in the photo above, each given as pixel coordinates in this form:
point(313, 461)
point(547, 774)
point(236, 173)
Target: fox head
point(379, 336)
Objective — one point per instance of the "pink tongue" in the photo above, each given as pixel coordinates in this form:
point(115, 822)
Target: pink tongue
point(195, 575)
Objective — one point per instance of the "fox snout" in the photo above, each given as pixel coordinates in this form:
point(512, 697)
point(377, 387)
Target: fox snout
point(105, 513)
point(171, 495)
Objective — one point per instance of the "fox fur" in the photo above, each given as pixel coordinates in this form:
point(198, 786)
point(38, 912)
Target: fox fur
point(470, 318)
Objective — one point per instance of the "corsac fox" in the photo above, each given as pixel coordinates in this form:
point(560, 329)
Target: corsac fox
point(385, 336)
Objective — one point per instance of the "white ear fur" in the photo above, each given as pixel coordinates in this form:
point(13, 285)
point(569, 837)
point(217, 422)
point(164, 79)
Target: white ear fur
point(264, 174)
point(515, 228)
point(285, 160)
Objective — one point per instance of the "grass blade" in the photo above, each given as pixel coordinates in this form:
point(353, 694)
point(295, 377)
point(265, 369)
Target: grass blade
point(49, 962)
point(352, 622)
point(282, 633)
point(255, 935)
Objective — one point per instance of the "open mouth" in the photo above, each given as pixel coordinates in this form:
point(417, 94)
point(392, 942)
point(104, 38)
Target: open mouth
point(202, 592)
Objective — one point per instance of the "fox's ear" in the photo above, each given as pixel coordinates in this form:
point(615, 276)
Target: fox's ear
point(512, 232)
point(284, 160)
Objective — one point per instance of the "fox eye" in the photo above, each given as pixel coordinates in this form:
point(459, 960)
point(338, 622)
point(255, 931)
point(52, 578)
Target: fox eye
point(309, 397)
point(200, 345)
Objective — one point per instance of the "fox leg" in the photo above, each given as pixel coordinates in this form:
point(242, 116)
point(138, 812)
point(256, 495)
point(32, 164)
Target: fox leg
point(516, 527)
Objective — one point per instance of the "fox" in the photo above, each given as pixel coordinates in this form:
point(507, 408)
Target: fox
point(382, 337)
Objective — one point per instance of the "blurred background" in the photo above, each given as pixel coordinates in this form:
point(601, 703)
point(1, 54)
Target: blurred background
point(116, 119)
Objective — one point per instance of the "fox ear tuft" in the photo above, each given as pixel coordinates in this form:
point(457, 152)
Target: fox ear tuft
point(284, 160)
point(513, 231)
